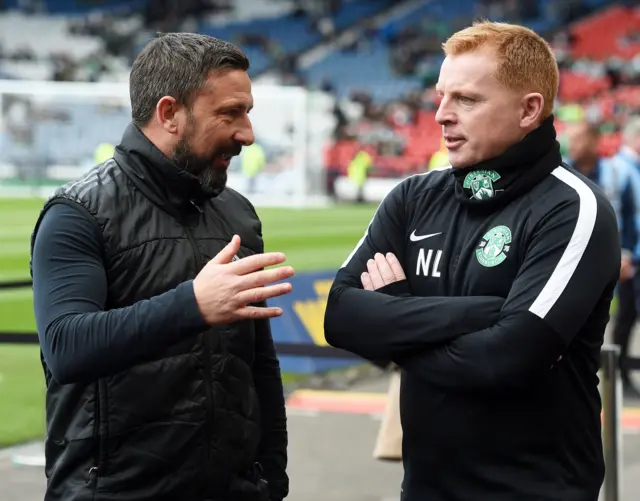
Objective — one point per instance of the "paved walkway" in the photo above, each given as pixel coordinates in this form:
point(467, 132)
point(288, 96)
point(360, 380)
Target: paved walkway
point(331, 441)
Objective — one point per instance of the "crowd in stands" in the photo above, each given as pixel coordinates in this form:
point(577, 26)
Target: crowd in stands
point(401, 135)
point(120, 28)
point(599, 57)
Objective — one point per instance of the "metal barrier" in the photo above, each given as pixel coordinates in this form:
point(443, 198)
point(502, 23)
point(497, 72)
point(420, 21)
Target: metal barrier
point(612, 429)
point(15, 285)
point(611, 391)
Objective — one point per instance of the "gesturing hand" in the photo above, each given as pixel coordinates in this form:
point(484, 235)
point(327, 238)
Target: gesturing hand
point(381, 271)
point(224, 289)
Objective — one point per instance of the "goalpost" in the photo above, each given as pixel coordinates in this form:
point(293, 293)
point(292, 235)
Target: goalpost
point(49, 132)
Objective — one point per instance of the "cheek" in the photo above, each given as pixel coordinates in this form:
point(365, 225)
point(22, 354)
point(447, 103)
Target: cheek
point(490, 134)
point(206, 141)
point(500, 128)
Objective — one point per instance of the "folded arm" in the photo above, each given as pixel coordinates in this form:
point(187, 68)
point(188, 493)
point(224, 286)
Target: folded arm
point(388, 322)
point(570, 270)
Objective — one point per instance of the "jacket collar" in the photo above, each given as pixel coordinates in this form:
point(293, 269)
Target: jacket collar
point(495, 182)
point(159, 178)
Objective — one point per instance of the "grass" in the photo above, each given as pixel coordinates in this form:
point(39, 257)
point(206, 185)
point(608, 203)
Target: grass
point(313, 239)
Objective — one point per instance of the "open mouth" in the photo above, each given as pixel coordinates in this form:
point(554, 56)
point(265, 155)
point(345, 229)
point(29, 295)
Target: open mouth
point(222, 161)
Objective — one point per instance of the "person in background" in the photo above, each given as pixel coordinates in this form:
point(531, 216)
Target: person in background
point(357, 171)
point(253, 160)
point(627, 159)
point(615, 179)
point(440, 158)
point(103, 152)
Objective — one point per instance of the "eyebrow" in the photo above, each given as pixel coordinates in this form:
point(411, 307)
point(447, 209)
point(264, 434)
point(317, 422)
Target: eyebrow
point(462, 91)
point(231, 106)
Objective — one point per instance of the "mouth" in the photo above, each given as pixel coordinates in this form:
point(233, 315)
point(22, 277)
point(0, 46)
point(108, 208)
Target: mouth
point(223, 161)
point(453, 142)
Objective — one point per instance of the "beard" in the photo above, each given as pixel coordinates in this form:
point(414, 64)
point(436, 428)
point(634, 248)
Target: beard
point(212, 180)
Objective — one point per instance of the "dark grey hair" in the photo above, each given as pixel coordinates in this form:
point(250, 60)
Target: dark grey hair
point(177, 65)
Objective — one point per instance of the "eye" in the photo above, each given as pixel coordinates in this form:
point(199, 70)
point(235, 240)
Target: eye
point(466, 100)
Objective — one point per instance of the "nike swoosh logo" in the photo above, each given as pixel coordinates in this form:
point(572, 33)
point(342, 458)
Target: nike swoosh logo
point(416, 238)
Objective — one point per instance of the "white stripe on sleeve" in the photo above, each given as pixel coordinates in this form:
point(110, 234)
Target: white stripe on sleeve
point(572, 255)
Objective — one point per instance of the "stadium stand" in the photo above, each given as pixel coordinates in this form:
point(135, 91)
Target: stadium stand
point(376, 62)
point(394, 119)
point(38, 38)
point(268, 40)
point(381, 79)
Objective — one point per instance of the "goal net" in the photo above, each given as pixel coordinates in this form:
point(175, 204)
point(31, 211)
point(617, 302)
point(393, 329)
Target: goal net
point(50, 132)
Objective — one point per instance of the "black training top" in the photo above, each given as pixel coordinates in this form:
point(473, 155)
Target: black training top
point(510, 265)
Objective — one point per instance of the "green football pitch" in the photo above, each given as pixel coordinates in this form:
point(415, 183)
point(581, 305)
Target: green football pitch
point(313, 239)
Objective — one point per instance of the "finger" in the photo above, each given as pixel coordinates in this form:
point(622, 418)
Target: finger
point(256, 312)
point(398, 272)
point(262, 293)
point(260, 278)
point(385, 270)
point(256, 262)
point(227, 253)
point(367, 284)
point(374, 273)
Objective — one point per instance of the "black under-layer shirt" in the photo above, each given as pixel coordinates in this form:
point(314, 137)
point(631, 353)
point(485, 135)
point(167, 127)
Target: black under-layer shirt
point(510, 270)
point(79, 338)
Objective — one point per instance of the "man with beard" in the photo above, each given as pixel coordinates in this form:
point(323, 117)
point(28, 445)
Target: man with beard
point(149, 287)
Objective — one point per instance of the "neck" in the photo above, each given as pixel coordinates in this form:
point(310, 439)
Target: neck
point(155, 136)
point(495, 182)
point(158, 175)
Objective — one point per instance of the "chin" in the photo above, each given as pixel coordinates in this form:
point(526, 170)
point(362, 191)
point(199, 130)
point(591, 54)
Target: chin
point(459, 162)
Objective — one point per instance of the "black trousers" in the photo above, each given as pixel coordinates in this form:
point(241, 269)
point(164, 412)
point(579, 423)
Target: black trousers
point(625, 322)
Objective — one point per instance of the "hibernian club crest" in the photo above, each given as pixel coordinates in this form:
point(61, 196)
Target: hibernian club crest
point(480, 182)
point(494, 246)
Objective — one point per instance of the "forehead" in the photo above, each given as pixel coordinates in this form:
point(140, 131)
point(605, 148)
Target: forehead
point(468, 71)
point(227, 88)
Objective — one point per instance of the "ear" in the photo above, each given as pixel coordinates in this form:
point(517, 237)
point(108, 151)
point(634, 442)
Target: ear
point(169, 114)
point(531, 110)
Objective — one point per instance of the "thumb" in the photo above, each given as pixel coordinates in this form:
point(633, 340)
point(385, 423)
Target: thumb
point(226, 255)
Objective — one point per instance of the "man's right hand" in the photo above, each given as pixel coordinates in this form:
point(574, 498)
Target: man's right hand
point(382, 270)
point(225, 289)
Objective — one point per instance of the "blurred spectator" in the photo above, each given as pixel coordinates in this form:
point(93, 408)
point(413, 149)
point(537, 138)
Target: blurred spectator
point(628, 157)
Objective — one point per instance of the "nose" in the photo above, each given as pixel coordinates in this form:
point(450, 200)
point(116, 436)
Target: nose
point(245, 135)
point(444, 115)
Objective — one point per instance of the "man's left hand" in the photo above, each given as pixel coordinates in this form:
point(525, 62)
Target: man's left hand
point(382, 270)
